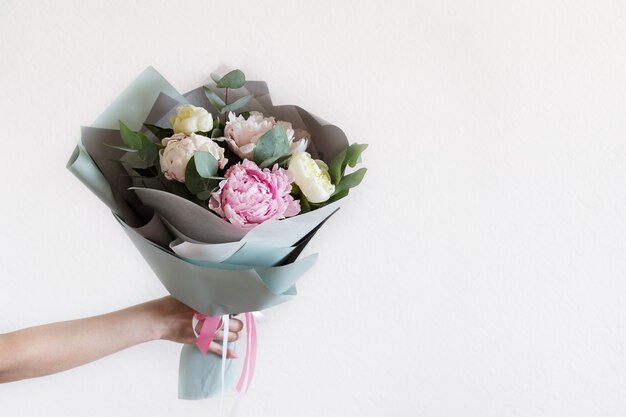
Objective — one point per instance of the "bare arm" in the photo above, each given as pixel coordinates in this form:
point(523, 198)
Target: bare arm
point(55, 347)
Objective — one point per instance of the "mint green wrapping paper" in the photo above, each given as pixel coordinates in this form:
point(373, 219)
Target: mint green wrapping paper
point(209, 265)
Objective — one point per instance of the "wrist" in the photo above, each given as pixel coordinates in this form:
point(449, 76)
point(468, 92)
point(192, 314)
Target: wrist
point(150, 321)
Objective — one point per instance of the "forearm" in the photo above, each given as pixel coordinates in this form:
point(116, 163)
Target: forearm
point(51, 348)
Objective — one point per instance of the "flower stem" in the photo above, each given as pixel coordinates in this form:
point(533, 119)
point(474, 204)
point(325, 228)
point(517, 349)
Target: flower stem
point(226, 104)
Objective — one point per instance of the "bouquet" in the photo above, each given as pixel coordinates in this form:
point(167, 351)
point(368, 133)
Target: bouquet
point(220, 191)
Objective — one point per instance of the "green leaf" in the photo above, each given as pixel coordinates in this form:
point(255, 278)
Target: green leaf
point(149, 151)
point(205, 164)
point(215, 77)
point(147, 172)
point(237, 104)
point(216, 123)
point(159, 132)
point(194, 182)
point(234, 79)
point(130, 138)
point(280, 160)
point(353, 153)
point(337, 196)
point(245, 114)
point(336, 167)
point(273, 143)
point(204, 195)
point(350, 180)
point(214, 98)
point(304, 204)
point(121, 148)
point(175, 187)
point(217, 133)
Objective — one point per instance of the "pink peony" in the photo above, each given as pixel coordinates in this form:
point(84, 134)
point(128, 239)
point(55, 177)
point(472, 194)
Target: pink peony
point(243, 134)
point(249, 196)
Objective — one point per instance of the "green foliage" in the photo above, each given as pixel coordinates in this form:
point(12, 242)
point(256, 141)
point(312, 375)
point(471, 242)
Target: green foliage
point(353, 153)
point(148, 151)
point(336, 167)
point(204, 195)
point(150, 172)
point(159, 132)
point(214, 98)
point(348, 156)
point(350, 180)
point(305, 207)
point(215, 77)
point(234, 79)
point(337, 196)
point(237, 104)
point(130, 138)
point(280, 160)
point(120, 148)
point(200, 174)
point(272, 144)
point(206, 164)
point(138, 142)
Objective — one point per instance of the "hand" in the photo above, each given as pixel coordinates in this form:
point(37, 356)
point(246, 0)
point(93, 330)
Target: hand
point(172, 321)
point(55, 347)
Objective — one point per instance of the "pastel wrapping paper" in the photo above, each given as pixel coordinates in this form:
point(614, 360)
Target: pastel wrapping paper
point(208, 264)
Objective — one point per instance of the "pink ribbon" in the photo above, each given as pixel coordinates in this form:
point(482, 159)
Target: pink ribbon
point(207, 331)
point(207, 334)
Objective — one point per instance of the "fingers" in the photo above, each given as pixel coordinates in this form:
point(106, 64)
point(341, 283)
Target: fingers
point(216, 348)
point(232, 336)
point(234, 325)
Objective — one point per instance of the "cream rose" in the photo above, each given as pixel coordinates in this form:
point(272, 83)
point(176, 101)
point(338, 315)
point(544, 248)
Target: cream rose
point(311, 175)
point(191, 119)
point(180, 148)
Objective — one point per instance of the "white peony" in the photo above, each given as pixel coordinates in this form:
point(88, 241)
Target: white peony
point(180, 148)
point(191, 119)
point(312, 176)
point(243, 134)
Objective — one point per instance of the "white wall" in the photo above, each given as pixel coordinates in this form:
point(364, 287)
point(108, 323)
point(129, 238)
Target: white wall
point(478, 271)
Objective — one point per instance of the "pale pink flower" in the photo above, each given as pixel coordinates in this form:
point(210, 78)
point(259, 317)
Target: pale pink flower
point(243, 134)
point(249, 195)
point(180, 148)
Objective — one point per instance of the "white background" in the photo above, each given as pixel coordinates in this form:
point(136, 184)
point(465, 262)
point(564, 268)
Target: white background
point(479, 270)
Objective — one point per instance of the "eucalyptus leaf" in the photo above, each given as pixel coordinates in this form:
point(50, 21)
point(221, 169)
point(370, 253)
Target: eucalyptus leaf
point(204, 195)
point(121, 148)
point(237, 104)
point(280, 160)
point(159, 132)
point(150, 172)
point(215, 77)
point(354, 152)
point(304, 204)
point(214, 98)
point(193, 181)
point(205, 164)
point(149, 151)
point(130, 138)
point(175, 187)
point(337, 196)
point(268, 162)
point(351, 180)
point(336, 167)
point(234, 79)
point(273, 143)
